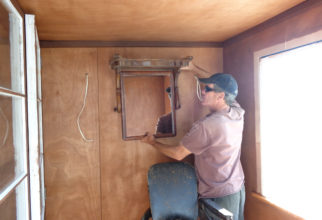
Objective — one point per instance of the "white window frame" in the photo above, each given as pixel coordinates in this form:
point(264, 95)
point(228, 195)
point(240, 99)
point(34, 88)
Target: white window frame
point(36, 167)
point(21, 183)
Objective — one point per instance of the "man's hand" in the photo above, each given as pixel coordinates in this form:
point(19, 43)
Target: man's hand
point(148, 139)
point(177, 152)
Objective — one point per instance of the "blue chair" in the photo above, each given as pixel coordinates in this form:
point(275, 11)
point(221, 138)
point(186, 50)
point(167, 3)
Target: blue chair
point(173, 193)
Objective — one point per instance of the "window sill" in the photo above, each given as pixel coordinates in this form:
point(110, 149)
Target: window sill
point(258, 198)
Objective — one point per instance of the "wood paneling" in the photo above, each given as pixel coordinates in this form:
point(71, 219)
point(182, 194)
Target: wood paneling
point(238, 60)
point(72, 166)
point(142, 20)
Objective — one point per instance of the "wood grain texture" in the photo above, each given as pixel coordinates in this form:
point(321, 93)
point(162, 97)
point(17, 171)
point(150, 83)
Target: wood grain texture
point(72, 166)
point(238, 60)
point(124, 164)
point(142, 20)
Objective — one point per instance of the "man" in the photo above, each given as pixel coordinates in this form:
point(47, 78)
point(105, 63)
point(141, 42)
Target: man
point(215, 140)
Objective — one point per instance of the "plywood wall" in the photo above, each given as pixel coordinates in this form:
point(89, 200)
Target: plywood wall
point(238, 60)
point(72, 166)
point(105, 179)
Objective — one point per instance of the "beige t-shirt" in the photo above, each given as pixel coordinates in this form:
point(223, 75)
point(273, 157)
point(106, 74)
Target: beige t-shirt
point(216, 143)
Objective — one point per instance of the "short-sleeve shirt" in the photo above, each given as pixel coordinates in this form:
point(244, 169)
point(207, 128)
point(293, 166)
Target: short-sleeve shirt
point(216, 143)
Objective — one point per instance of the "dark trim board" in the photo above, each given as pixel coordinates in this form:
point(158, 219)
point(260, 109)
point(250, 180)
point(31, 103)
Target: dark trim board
point(48, 44)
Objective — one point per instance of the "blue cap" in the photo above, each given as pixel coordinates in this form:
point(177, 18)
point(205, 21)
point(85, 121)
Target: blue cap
point(224, 81)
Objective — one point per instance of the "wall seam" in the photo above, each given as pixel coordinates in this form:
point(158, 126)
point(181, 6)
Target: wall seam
point(99, 131)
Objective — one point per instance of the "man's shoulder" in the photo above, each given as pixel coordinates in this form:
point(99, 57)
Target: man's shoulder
point(211, 121)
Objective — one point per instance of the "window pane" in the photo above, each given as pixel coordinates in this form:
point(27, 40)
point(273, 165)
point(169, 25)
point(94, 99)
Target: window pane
point(11, 53)
point(8, 208)
point(15, 205)
point(291, 145)
point(5, 77)
point(12, 139)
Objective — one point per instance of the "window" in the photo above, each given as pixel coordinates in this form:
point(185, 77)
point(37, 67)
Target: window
point(14, 179)
point(290, 90)
point(21, 171)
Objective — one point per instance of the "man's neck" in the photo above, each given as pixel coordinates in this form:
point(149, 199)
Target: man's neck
point(220, 108)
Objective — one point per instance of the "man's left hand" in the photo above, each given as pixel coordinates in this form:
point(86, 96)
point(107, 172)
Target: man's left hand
point(149, 139)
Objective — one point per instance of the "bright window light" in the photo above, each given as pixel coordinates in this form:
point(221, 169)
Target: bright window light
point(290, 91)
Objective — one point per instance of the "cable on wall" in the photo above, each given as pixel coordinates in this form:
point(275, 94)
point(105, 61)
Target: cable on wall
point(198, 89)
point(199, 68)
point(198, 71)
point(80, 113)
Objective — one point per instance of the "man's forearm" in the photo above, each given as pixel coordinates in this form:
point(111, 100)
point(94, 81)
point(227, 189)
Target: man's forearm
point(177, 152)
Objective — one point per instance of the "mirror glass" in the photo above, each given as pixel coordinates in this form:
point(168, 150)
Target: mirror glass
point(147, 99)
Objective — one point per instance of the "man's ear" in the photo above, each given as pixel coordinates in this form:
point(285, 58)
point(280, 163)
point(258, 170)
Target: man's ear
point(221, 95)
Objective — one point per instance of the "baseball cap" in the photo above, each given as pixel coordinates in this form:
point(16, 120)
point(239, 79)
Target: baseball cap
point(224, 81)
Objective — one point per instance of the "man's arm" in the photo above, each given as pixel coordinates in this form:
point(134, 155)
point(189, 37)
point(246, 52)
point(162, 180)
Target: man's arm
point(177, 152)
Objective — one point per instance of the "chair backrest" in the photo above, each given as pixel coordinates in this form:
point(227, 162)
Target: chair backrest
point(173, 191)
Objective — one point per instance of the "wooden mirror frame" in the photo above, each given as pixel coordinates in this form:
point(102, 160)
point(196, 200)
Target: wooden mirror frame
point(147, 67)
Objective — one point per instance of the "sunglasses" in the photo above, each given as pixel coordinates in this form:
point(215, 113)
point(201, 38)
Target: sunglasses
point(208, 89)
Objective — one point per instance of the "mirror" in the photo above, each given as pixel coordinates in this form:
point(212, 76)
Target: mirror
point(147, 95)
point(146, 105)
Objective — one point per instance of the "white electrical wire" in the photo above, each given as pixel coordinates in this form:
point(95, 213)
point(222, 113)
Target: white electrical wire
point(7, 128)
point(84, 103)
point(198, 89)
point(200, 70)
